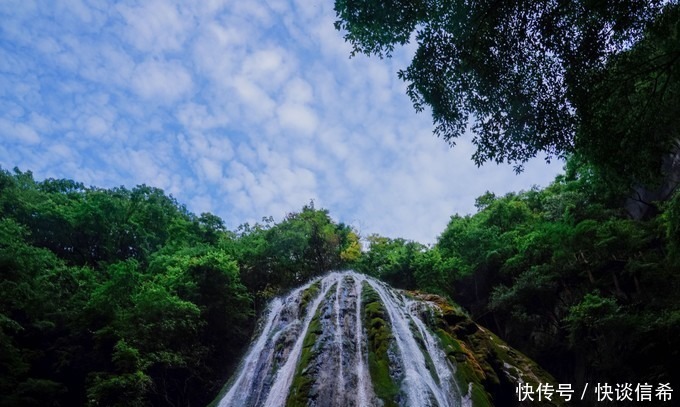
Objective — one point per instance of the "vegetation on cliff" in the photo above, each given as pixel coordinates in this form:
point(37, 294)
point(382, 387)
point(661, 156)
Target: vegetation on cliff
point(124, 298)
point(562, 273)
point(380, 343)
point(581, 275)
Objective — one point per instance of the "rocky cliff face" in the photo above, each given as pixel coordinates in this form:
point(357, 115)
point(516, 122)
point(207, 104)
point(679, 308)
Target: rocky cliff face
point(642, 203)
point(349, 340)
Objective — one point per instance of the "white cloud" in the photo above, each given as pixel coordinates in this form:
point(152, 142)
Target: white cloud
point(163, 82)
point(329, 39)
point(40, 123)
point(335, 142)
point(257, 104)
point(252, 11)
point(197, 145)
point(18, 132)
point(62, 153)
point(96, 125)
point(248, 109)
point(48, 46)
point(78, 9)
point(298, 118)
point(138, 163)
point(218, 49)
point(268, 67)
point(96, 63)
point(309, 157)
point(212, 169)
point(156, 26)
point(297, 90)
point(197, 117)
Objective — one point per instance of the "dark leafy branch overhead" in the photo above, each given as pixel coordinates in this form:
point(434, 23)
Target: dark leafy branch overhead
point(520, 72)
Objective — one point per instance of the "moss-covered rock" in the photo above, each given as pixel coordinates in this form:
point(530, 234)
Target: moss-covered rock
point(305, 374)
point(486, 367)
point(380, 344)
point(337, 365)
point(308, 295)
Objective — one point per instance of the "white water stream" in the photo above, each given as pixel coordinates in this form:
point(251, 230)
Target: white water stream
point(338, 365)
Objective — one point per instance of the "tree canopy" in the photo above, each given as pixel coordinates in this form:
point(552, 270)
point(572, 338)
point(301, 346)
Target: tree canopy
point(533, 76)
point(122, 297)
point(562, 273)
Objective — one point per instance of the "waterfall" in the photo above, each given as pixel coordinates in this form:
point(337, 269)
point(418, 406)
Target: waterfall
point(420, 382)
point(317, 347)
point(363, 378)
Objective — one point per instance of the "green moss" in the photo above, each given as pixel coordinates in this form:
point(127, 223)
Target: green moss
point(380, 340)
point(311, 347)
point(308, 295)
point(479, 396)
point(465, 374)
point(521, 365)
point(481, 358)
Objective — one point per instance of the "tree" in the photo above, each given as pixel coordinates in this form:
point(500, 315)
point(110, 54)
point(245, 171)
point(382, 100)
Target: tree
point(393, 260)
point(351, 251)
point(521, 71)
point(634, 104)
point(113, 297)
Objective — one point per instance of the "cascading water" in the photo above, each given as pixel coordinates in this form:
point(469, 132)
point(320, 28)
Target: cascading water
point(317, 347)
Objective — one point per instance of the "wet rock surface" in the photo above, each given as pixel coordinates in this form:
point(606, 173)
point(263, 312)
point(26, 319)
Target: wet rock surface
point(349, 340)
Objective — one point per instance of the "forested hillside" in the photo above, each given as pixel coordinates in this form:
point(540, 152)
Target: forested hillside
point(562, 273)
point(118, 297)
point(122, 297)
point(581, 275)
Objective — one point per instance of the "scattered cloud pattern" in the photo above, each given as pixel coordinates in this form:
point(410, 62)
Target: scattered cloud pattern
point(242, 109)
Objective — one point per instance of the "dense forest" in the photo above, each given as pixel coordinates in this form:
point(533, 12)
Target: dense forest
point(562, 273)
point(122, 297)
point(581, 275)
point(118, 297)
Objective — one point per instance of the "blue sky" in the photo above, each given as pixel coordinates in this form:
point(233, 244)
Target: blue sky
point(240, 108)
